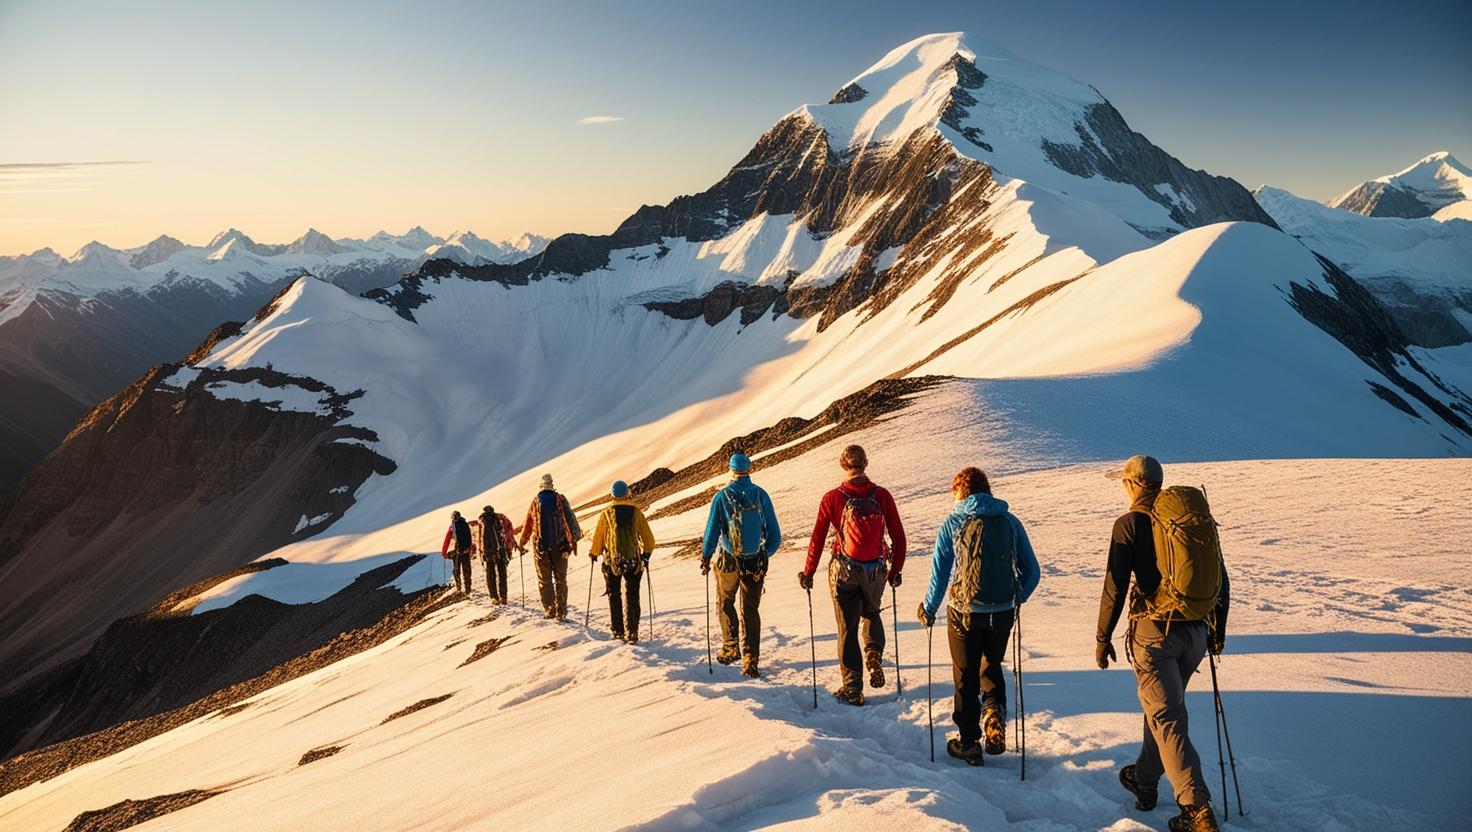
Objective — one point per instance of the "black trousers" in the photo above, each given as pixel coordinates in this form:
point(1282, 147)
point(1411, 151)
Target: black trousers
point(978, 644)
point(460, 560)
point(495, 578)
point(625, 614)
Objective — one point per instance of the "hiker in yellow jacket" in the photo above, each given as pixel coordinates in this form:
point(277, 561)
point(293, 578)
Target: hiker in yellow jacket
point(624, 536)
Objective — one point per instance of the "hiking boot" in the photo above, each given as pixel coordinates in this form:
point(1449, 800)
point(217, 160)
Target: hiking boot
point(849, 696)
point(618, 635)
point(632, 638)
point(727, 655)
point(970, 752)
point(1145, 796)
point(549, 614)
point(1194, 819)
point(875, 663)
point(748, 666)
point(994, 729)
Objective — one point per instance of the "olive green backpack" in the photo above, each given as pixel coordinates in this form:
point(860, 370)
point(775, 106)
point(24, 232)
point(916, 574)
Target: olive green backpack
point(1189, 555)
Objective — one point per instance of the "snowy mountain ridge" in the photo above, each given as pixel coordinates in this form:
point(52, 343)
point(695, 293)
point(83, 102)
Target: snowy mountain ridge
point(1437, 186)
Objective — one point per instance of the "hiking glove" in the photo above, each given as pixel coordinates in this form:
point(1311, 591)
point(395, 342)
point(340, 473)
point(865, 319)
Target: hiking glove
point(645, 557)
point(1217, 643)
point(925, 617)
point(705, 566)
point(805, 580)
point(894, 579)
point(1103, 652)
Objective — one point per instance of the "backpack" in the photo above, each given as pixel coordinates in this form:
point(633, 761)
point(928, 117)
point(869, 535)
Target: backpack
point(743, 514)
point(623, 539)
point(462, 535)
point(1189, 555)
point(861, 529)
point(986, 563)
point(553, 535)
point(493, 542)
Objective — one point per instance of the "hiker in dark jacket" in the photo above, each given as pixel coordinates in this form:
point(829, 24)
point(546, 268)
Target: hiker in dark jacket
point(623, 535)
point(995, 571)
point(495, 552)
point(1165, 654)
point(742, 564)
point(459, 534)
point(860, 514)
point(554, 533)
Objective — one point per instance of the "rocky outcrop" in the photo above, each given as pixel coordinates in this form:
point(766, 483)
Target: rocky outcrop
point(160, 486)
point(1352, 315)
point(1383, 199)
point(1107, 147)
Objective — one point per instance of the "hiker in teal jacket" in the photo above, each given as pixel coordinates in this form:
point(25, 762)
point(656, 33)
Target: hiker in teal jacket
point(760, 537)
point(978, 630)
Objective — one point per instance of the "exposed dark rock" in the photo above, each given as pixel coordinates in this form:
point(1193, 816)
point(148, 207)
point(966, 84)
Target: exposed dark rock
point(1385, 199)
point(1394, 400)
point(166, 658)
point(968, 80)
point(551, 645)
point(318, 753)
point(128, 813)
point(1128, 157)
point(162, 486)
point(417, 706)
point(848, 94)
point(1354, 318)
point(485, 648)
point(45, 763)
point(846, 415)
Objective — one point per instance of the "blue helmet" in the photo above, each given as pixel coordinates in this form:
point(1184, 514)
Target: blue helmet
point(620, 490)
point(740, 463)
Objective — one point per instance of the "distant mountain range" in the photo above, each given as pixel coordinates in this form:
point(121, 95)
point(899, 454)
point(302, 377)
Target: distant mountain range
point(74, 330)
point(1406, 236)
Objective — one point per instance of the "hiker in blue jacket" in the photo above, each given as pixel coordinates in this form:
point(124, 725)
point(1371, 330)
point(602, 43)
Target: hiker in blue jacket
point(742, 564)
point(995, 571)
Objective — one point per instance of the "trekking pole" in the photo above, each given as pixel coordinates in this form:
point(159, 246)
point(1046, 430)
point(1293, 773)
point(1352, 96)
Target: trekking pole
point(521, 567)
point(649, 579)
point(813, 643)
point(588, 607)
point(708, 663)
point(894, 611)
point(929, 696)
point(1231, 758)
point(1021, 705)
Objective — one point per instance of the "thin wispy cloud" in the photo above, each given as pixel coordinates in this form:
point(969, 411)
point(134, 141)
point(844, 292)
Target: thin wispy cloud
point(600, 119)
point(59, 177)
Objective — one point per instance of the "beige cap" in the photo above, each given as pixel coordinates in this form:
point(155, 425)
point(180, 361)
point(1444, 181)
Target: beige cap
point(546, 482)
point(1140, 468)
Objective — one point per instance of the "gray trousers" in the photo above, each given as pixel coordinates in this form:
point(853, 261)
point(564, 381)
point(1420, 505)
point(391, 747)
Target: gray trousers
point(858, 595)
point(1164, 663)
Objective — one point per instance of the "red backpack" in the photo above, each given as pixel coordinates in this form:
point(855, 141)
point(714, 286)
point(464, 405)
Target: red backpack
point(861, 529)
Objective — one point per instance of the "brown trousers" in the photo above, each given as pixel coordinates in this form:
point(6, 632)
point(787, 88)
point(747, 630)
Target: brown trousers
point(749, 625)
point(552, 582)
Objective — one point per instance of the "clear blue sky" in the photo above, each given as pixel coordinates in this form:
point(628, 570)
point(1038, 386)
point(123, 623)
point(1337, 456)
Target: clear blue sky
point(357, 116)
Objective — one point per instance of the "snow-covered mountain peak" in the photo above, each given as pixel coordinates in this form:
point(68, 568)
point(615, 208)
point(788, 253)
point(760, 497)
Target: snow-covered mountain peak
point(315, 242)
point(95, 252)
point(158, 250)
point(1438, 185)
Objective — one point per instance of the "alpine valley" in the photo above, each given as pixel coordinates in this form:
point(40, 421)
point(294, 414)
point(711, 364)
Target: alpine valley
point(221, 596)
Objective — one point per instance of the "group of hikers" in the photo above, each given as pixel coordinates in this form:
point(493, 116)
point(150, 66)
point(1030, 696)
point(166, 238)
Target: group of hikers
point(1164, 564)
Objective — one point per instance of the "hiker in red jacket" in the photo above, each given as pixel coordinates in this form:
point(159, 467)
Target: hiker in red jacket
point(860, 513)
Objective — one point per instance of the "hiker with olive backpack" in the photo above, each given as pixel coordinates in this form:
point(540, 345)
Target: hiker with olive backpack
point(1178, 611)
point(860, 514)
point(742, 527)
point(984, 569)
point(622, 537)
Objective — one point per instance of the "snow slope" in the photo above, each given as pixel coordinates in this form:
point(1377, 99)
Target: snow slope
point(1314, 650)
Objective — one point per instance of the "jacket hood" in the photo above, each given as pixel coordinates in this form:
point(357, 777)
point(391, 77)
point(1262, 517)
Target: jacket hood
point(981, 505)
point(618, 502)
point(856, 487)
